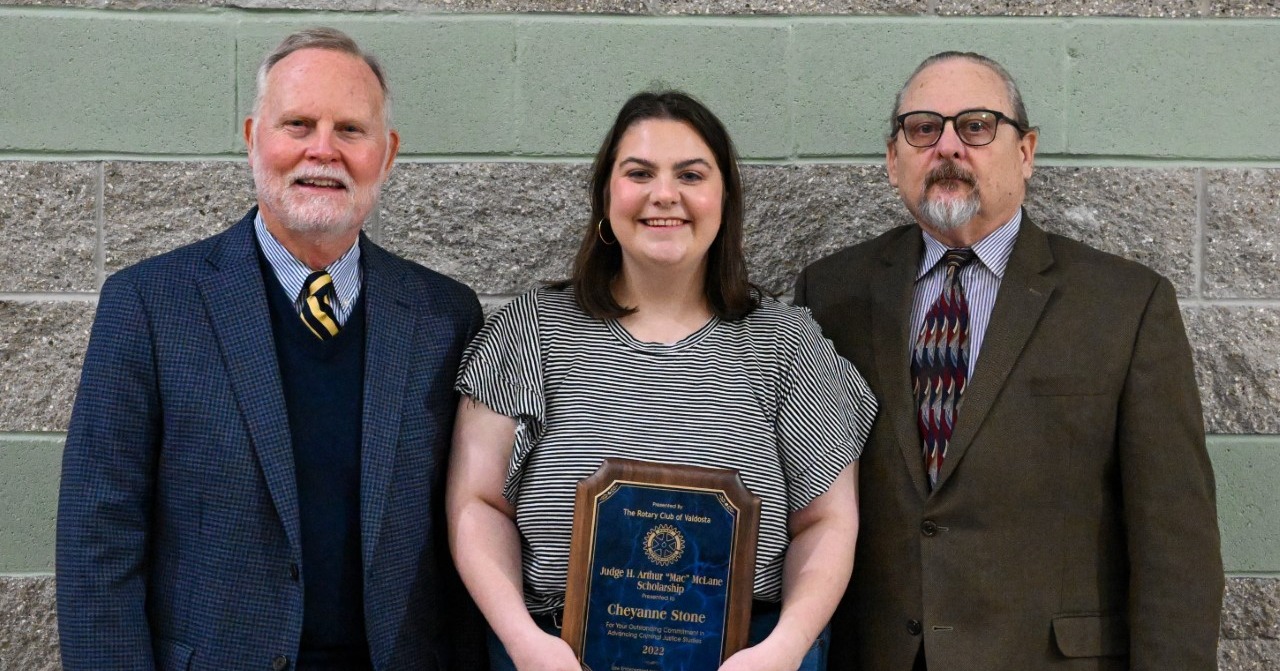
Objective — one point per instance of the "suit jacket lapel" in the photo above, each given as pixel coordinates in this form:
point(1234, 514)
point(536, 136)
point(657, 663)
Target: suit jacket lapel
point(389, 331)
point(1024, 292)
point(235, 298)
point(891, 324)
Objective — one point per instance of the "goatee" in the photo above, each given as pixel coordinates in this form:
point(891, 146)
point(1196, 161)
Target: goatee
point(946, 214)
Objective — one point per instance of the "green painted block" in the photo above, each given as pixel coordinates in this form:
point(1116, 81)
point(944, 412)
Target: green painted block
point(452, 79)
point(1245, 468)
point(1201, 89)
point(29, 467)
point(575, 75)
point(115, 82)
point(847, 73)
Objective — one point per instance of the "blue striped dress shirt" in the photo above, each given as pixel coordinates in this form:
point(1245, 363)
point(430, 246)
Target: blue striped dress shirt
point(981, 281)
point(292, 273)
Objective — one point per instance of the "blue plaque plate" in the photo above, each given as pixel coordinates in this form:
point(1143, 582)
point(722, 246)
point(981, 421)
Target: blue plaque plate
point(661, 567)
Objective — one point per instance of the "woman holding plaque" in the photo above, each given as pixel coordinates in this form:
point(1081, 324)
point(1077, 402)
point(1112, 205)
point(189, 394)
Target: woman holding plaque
point(656, 349)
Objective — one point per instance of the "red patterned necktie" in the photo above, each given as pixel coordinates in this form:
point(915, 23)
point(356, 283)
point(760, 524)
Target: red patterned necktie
point(317, 305)
point(940, 363)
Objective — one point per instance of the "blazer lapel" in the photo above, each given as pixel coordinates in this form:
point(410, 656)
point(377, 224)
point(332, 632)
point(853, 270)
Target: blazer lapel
point(235, 298)
point(891, 326)
point(389, 334)
point(1024, 292)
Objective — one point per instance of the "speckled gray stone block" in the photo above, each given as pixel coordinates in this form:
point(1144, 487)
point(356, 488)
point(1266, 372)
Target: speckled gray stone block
point(327, 5)
point(1242, 252)
point(1251, 609)
point(47, 222)
point(151, 208)
point(28, 624)
point(1251, 655)
point(1253, 8)
point(1141, 214)
point(501, 228)
point(41, 351)
point(790, 7)
point(1138, 8)
point(524, 6)
point(655, 7)
point(1237, 353)
point(796, 215)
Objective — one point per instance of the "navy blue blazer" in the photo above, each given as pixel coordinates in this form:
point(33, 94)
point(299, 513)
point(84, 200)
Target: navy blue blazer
point(178, 528)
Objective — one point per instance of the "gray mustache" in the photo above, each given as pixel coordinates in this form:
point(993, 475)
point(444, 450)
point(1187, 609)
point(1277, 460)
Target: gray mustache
point(949, 171)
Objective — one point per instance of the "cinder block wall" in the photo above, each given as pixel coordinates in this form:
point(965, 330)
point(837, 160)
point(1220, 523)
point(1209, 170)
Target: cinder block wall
point(120, 138)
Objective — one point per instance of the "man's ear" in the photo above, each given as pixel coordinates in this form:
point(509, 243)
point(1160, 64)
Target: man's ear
point(891, 162)
point(393, 148)
point(248, 136)
point(1027, 146)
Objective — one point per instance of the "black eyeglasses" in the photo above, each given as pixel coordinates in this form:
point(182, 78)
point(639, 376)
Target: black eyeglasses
point(974, 127)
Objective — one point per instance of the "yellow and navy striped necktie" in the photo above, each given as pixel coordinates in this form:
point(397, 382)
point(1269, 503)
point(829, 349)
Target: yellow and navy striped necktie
point(318, 296)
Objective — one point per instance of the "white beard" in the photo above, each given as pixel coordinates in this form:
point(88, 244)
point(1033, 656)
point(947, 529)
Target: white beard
point(319, 215)
point(949, 213)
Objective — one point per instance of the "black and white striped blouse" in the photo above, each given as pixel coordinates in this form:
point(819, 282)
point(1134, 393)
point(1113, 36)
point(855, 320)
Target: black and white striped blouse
point(766, 395)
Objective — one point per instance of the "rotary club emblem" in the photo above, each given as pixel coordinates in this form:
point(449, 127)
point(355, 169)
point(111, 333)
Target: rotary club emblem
point(663, 544)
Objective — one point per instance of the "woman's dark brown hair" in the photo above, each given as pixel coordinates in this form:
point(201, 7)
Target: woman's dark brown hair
point(597, 264)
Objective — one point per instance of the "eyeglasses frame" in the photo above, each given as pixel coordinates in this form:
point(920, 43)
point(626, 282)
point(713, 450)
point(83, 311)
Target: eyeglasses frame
point(1000, 116)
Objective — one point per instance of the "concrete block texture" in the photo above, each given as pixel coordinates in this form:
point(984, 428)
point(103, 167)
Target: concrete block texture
point(28, 624)
point(1123, 100)
point(48, 224)
point(1245, 468)
point(1237, 353)
point(1242, 252)
point(796, 215)
point(1251, 609)
point(1135, 8)
point(1249, 655)
point(41, 350)
point(576, 74)
point(1147, 215)
point(502, 228)
point(151, 208)
point(112, 82)
point(29, 635)
point(29, 497)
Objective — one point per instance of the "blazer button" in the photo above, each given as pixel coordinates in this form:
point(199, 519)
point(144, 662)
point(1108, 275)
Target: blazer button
point(293, 571)
point(929, 528)
point(280, 663)
point(914, 628)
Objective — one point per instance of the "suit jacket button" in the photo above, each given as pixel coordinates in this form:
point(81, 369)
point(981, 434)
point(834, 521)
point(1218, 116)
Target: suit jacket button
point(929, 528)
point(280, 663)
point(914, 628)
point(293, 571)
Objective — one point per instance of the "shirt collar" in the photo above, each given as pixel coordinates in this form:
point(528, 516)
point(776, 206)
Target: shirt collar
point(292, 273)
point(993, 250)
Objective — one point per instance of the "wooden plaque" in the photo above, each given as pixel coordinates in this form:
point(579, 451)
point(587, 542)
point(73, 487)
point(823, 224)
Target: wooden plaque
point(661, 567)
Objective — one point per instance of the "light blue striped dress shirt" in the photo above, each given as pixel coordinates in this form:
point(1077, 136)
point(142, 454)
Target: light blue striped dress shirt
point(292, 273)
point(981, 281)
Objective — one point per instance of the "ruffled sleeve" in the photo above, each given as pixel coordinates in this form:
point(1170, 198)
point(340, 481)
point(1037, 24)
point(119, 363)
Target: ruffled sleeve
point(825, 414)
point(502, 368)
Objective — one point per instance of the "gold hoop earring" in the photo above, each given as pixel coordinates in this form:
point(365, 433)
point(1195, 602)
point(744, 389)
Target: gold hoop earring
point(600, 232)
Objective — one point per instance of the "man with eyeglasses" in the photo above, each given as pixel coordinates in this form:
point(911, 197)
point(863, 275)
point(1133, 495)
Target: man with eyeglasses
point(1036, 492)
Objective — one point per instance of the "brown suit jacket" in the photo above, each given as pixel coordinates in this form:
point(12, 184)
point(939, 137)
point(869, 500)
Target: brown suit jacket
point(1073, 525)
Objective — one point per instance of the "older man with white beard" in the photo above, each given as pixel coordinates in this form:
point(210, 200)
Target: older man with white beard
point(1035, 494)
point(255, 462)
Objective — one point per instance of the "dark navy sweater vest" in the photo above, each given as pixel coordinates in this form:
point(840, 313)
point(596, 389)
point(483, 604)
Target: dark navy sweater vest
point(324, 394)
